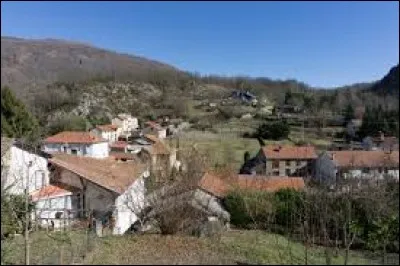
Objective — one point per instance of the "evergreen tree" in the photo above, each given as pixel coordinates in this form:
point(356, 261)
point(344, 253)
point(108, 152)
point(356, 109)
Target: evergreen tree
point(16, 121)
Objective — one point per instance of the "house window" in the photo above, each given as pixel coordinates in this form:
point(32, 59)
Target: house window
point(365, 170)
point(298, 163)
point(287, 172)
point(287, 163)
point(39, 179)
point(74, 151)
point(65, 149)
point(275, 164)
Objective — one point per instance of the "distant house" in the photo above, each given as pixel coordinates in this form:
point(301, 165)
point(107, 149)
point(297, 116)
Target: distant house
point(19, 165)
point(244, 96)
point(335, 166)
point(281, 160)
point(154, 128)
point(110, 191)
point(126, 122)
point(162, 157)
point(77, 143)
point(108, 132)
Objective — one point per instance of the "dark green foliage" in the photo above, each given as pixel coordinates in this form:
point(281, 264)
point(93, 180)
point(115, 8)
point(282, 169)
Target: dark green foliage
point(275, 131)
point(68, 123)
point(246, 156)
point(16, 121)
point(288, 207)
point(348, 113)
point(13, 214)
point(377, 119)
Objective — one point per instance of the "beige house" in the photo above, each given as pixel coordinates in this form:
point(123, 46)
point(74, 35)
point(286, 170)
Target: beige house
point(126, 122)
point(286, 160)
point(108, 132)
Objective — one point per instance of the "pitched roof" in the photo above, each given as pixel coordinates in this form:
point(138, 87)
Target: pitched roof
point(124, 156)
point(51, 191)
point(107, 128)
point(368, 159)
point(119, 144)
point(152, 137)
point(74, 137)
point(289, 152)
point(220, 186)
point(108, 173)
point(153, 125)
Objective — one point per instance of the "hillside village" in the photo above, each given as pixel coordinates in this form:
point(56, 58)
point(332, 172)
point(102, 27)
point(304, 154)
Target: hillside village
point(104, 172)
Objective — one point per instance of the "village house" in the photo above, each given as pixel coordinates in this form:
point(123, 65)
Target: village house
point(108, 190)
point(22, 168)
point(126, 122)
point(335, 166)
point(162, 157)
point(155, 129)
point(108, 132)
point(281, 160)
point(77, 143)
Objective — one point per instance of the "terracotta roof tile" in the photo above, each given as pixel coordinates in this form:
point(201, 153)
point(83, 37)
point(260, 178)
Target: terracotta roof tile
point(152, 137)
point(370, 159)
point(289, 152)
point(108, 173)
point(119, 144)
point(220, 186)
point(123, 155)
point(107, 128)
point(52, 191)
point(74, 137)
point(153, 124)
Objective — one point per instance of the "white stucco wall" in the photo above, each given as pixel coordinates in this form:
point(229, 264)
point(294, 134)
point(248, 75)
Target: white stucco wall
point(96, 150)
point(24, 165)
point(129, 204)
point(47, 208)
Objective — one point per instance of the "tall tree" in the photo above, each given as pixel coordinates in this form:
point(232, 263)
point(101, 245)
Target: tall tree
point(16, 120)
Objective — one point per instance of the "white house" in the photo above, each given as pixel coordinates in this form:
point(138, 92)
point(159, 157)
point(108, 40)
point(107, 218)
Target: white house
point(57, 206)
point(335, 166)
point(108, 132)
point(126, 122)
point(77, 143)
point(111, 191)
point(22, 169)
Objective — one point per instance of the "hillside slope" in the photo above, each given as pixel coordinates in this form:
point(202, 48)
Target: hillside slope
point(389, 84)
point(32, 64)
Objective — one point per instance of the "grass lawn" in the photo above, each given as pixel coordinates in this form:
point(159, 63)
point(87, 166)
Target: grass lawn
point(249, 246)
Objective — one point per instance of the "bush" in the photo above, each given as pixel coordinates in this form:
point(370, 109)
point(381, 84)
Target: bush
point(250, 209)
point(67, 123)
point(276, 130)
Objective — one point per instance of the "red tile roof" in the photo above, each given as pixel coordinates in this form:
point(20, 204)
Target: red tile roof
point(289, 152)
point(123, 155)
point(365, 159)
point(219, 185)
point(108, 173)
point(152, 137)
point(74, 137)
point(119, 145)
point(51, 191)
point(109, 127)
point(153, 124)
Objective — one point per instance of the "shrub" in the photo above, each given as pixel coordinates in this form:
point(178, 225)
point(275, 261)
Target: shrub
point(276, 130)
point(67, 123)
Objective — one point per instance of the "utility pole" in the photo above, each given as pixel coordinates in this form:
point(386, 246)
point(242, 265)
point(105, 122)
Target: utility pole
point(27, 218)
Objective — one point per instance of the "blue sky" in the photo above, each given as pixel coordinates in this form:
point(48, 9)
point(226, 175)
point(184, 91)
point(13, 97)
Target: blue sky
point(324, 44)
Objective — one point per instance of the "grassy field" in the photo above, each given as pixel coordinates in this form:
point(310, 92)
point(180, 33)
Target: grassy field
point(234, 246)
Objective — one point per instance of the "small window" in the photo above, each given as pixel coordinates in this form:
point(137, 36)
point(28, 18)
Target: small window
point(275, 164)
point(74, 151)
point(298, 163)
point(287, 163)
point(365, 170)
point(275, 173)
point(287, 172)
